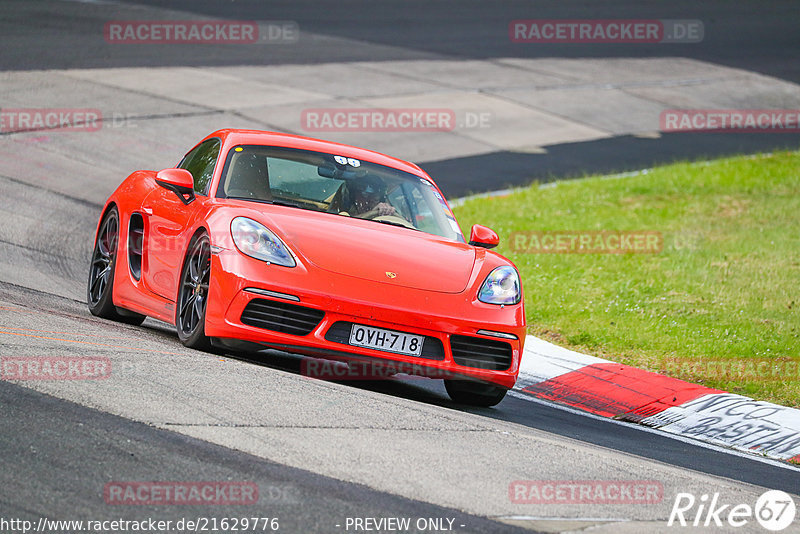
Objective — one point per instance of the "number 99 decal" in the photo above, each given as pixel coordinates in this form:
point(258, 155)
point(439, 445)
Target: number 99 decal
point(341, 160)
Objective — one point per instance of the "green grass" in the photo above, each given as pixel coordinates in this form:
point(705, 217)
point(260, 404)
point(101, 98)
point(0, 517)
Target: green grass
point(724, 289)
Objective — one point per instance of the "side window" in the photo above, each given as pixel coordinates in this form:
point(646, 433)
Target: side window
point(425, 220)
point(200, 162)
point(400, 201)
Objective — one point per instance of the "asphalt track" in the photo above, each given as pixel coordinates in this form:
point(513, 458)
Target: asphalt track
point(61, 479)
point(750, 36)
point(328, 451)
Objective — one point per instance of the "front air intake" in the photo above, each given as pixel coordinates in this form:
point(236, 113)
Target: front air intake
point(481, 353)
point(281, 317)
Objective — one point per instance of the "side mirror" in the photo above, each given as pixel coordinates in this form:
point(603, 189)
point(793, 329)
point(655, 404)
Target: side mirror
point(481, 236)
point(178, 180)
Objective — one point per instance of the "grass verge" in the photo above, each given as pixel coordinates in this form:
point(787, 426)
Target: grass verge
point(718, 304)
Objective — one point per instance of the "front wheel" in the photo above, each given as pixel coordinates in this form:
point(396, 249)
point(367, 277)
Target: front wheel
point(190, 314)
point(101, 274)
point(474, 393)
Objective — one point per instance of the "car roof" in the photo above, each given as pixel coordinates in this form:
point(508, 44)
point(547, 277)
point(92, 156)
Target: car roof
point(233, 137)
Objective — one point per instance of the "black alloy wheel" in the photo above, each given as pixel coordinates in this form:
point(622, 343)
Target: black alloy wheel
point(99, 290)
point(190, 315)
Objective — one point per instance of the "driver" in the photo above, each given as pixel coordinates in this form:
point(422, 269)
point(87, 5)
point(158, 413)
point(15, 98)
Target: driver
point(368, 198)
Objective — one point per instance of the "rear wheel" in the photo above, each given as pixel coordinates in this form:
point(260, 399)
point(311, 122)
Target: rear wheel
point(190, 315)
point(101, 274)
point(474, 393)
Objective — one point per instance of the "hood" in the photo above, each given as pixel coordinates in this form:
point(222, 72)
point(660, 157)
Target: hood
point(374, 251)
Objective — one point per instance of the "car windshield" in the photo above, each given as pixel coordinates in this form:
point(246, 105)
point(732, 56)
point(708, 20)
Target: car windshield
point(337, 185)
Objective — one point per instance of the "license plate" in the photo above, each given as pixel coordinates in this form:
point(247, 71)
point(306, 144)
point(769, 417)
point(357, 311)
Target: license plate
point(386, 340)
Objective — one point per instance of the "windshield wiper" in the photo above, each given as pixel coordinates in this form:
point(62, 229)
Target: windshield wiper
point(249, 199)
point(399, 225)
point(274, 202)
point(288, 204)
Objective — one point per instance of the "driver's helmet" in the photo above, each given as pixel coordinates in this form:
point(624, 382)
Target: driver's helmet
point(368, 186)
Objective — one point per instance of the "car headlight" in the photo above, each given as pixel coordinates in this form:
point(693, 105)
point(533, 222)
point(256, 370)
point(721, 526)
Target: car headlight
point(501, 287)
point(257, 241)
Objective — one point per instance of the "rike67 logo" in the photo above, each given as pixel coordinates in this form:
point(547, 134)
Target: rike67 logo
point(774, 510)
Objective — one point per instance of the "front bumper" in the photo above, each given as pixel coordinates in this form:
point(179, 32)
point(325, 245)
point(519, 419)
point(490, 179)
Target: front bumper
point(339, 301)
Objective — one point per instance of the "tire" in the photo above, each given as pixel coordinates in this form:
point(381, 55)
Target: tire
point(100, 287)
point(474, 393)
point(190, 311)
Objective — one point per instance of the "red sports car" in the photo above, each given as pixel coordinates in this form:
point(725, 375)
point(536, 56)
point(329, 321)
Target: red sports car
point(264, 240)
